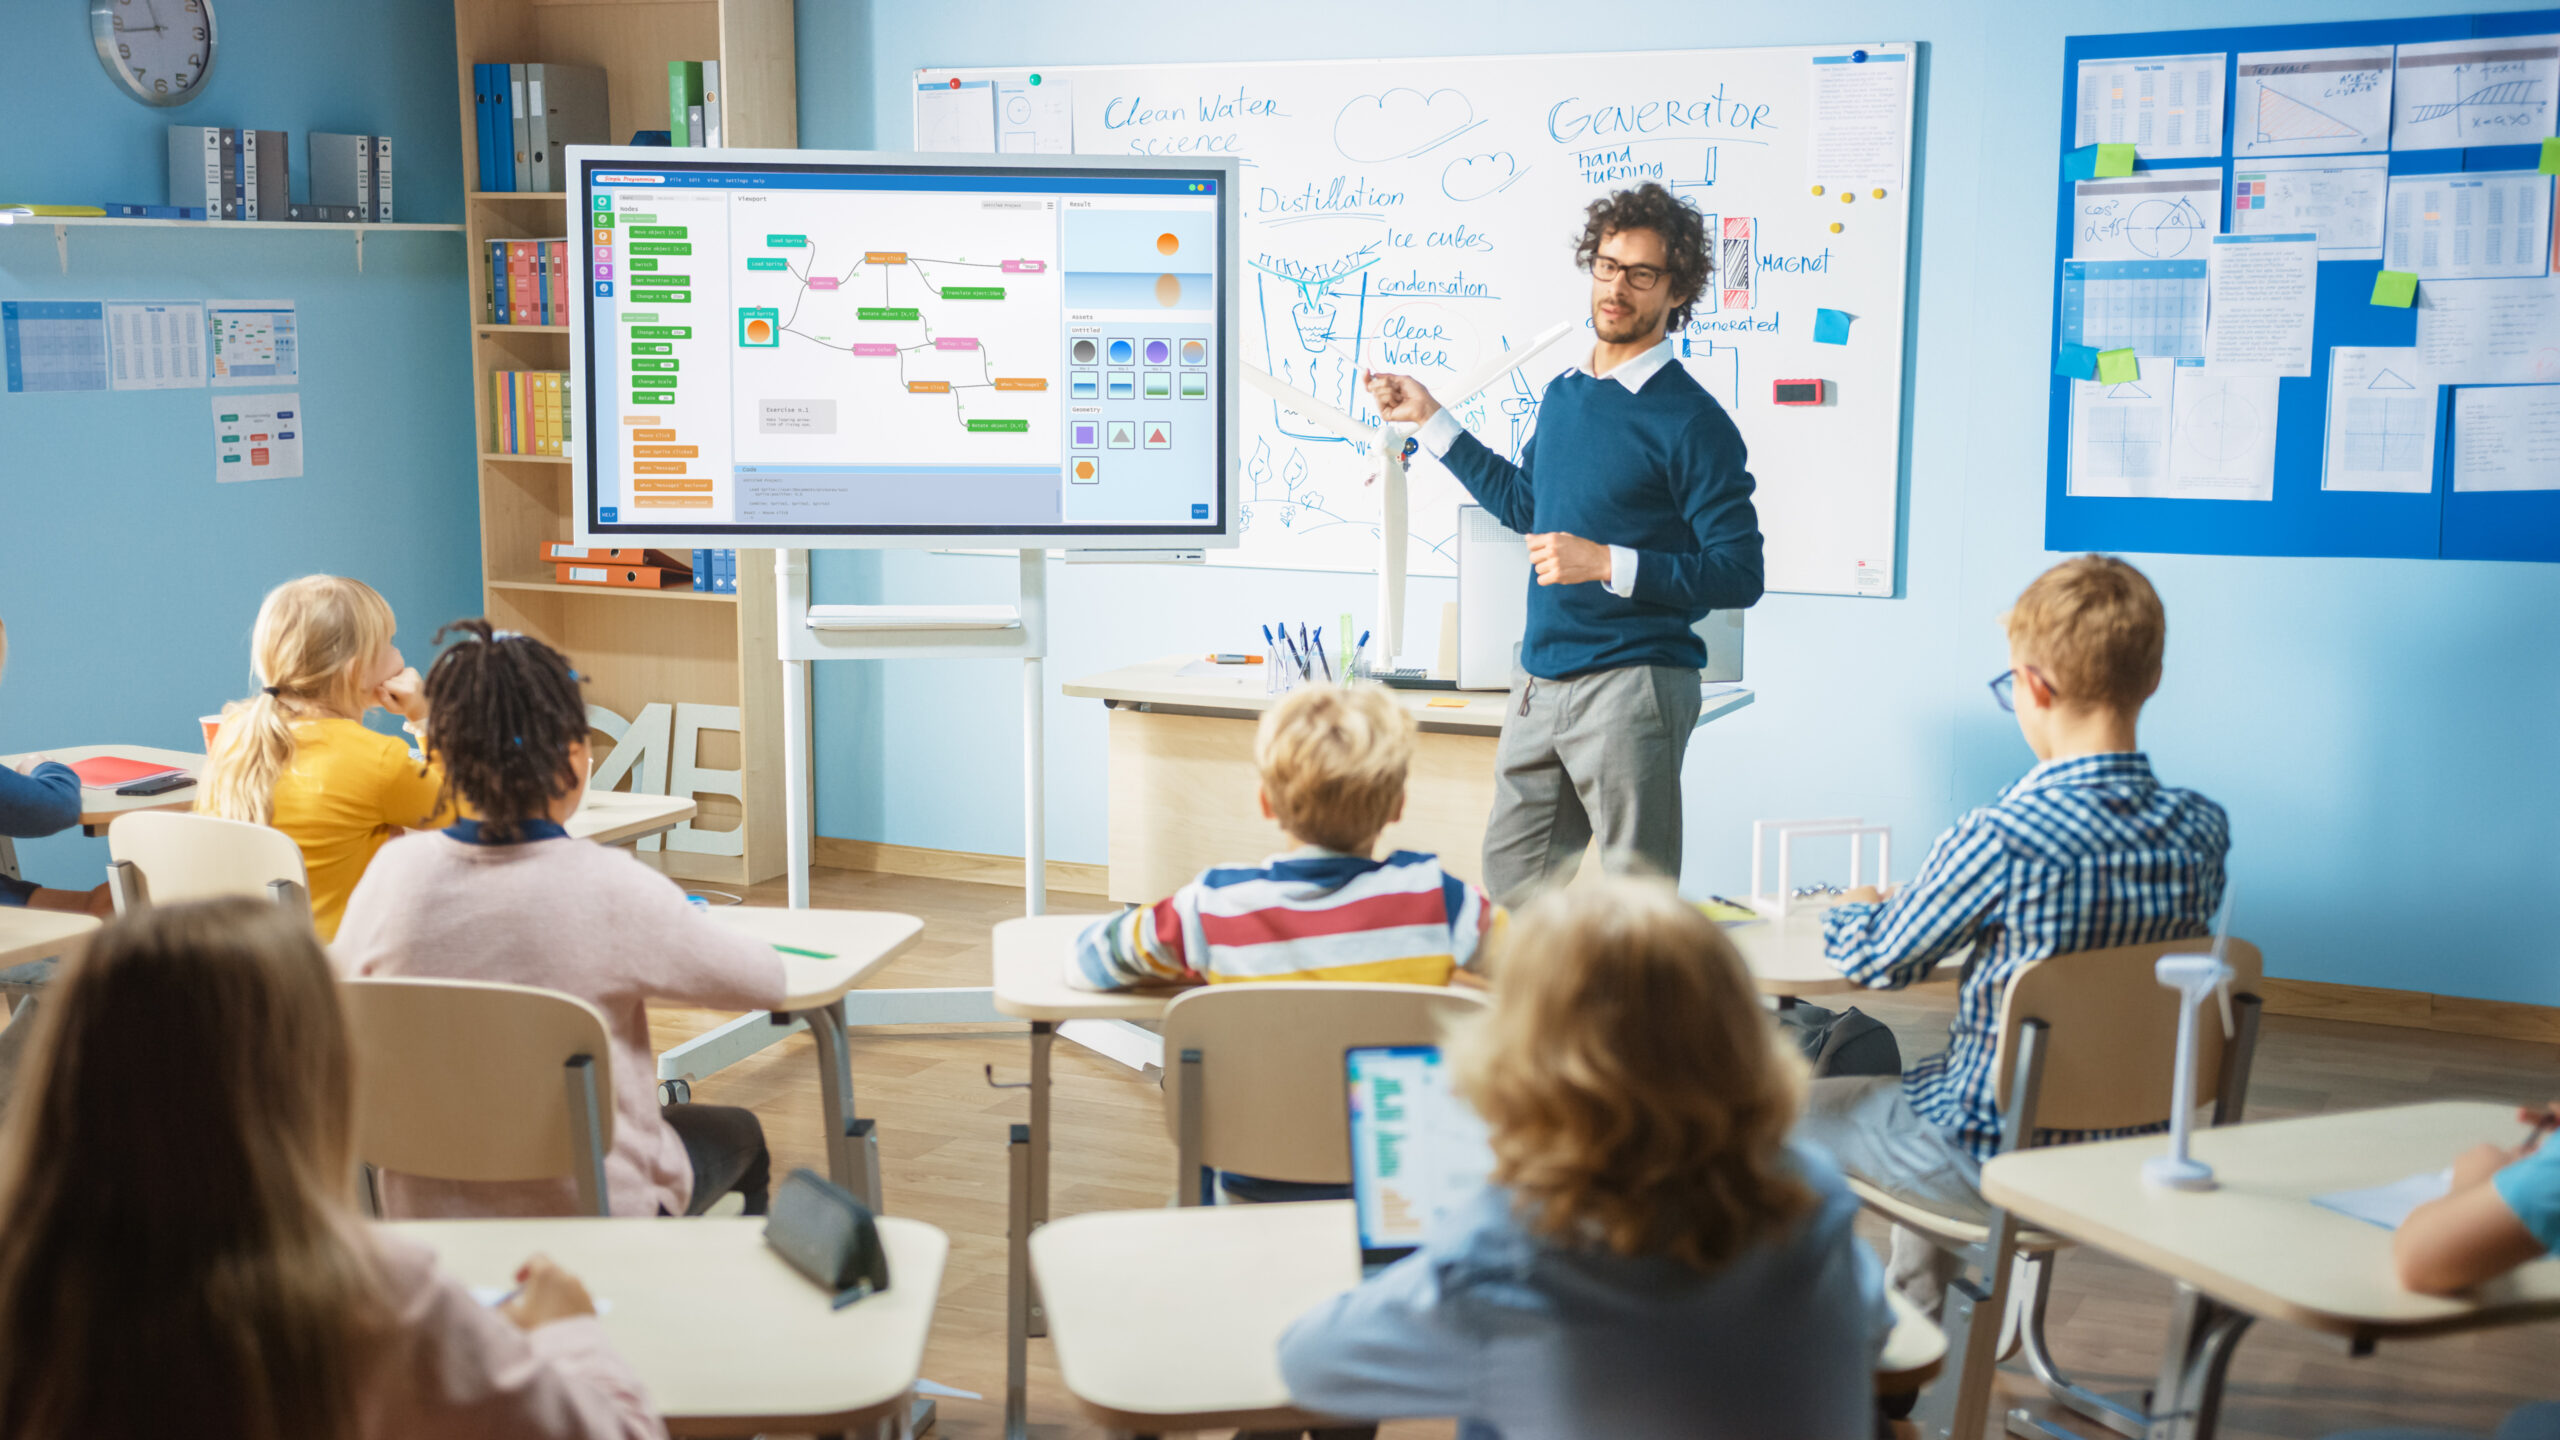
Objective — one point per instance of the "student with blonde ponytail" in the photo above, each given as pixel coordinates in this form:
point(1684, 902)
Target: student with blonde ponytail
point(297, 755)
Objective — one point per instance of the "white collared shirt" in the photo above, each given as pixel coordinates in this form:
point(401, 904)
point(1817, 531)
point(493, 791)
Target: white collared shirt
point(1442, 431)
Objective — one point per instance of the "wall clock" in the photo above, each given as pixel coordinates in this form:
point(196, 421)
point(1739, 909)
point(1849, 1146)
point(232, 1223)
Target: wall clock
point(159, 51)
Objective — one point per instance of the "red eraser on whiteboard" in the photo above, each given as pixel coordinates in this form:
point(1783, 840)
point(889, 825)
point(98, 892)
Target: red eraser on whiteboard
point(1795, 392)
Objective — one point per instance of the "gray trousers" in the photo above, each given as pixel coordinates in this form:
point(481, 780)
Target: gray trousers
point(1599, 753)
point(1867, 1124)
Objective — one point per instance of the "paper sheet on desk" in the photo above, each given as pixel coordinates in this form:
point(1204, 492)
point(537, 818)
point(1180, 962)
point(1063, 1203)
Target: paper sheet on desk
point(496, 1295)
point(2388, 1205)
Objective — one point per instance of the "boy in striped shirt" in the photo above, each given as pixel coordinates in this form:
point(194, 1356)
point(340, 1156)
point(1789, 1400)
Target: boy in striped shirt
point(1333, 762)
point(2088, 851)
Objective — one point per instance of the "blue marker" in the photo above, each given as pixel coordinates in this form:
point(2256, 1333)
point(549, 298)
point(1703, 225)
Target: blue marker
point(1317, 647)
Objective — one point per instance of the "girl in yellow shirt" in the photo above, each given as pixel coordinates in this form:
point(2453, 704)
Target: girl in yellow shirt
point(297, 755)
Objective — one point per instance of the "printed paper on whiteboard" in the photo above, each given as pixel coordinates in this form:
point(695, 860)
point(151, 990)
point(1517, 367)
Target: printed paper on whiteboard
point(2491, 332)
point(2264, 287)
point(2312, 102)
point(2469, 225)
point(1857, 119)
point(2222, 431)
point(2120, 434)
point(158, 345)
point(955, 116)
point(2382, 421)
point(254, 342)
point(257, 437)
point(2167, 107)
point(2506, 437)
point(2338, 198)
point(2157, 215)
point(2481, 91)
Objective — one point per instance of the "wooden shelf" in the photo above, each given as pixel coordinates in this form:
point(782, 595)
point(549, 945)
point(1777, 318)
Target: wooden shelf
point(131, 222)
point(553, 587)
point(634, 648)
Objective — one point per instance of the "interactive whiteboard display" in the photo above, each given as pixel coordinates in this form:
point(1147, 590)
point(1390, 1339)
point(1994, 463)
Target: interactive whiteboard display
point(832, 348)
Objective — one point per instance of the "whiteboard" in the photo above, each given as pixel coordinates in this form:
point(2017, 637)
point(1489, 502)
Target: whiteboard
point(1419, 215)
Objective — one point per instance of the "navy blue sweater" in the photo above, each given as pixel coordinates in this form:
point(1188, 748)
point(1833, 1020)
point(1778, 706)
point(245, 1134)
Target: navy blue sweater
point(1659, 471)
point(32, 805)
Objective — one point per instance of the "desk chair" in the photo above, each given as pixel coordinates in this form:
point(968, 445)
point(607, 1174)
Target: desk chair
point(474, 1080)
point(2088, 1041)
point(160, 857)
point(1275, 1109)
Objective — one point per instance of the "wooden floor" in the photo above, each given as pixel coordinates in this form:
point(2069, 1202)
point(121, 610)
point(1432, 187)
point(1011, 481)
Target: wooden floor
point(942, 1138)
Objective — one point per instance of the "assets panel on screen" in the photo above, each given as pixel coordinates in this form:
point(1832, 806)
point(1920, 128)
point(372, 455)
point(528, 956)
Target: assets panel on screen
point(829, 348)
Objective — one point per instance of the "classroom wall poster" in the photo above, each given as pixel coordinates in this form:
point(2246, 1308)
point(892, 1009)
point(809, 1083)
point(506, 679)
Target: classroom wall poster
point(257, 437)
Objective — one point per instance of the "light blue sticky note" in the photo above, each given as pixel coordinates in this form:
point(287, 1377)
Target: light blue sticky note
point(1831, 327)
point(2077, 362)
point(2081, 164)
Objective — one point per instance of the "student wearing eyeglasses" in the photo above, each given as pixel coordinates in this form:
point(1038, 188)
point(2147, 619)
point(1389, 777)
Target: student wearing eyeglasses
point(2088, 850)
point(1637, 505)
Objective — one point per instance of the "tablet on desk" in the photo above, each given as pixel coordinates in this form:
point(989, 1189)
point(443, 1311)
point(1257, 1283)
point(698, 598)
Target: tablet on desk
point(1418, 1150)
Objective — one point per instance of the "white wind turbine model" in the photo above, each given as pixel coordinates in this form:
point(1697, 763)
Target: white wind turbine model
point(1387, 439)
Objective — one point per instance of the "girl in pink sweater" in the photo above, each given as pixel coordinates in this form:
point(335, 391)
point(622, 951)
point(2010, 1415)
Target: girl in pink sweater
point(180, 1252)
point(507, 895)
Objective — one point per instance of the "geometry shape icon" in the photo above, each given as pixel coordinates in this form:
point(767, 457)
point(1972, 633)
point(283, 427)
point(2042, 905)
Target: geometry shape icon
point(1084, 471)
point(1122, 434)
point(1159, 435)
point(1087, 434)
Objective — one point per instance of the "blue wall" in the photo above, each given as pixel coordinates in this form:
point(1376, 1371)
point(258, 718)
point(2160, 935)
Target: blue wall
point(2380, 730)
point(132, 578)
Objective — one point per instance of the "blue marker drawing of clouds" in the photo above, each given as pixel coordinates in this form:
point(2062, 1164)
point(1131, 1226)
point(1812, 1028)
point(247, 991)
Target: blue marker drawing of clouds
point(1473, 177)
point(1401, 123)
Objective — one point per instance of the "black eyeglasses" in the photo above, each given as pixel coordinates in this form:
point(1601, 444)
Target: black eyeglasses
point(2004, 687)
point(1639, 277)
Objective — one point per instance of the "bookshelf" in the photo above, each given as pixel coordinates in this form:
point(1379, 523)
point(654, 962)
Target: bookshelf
point(635, 647)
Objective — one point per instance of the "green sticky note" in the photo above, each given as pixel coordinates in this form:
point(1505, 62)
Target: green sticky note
point(2114, 161)
point(2118, 367)
point(2396, 288)
point(2551, 156)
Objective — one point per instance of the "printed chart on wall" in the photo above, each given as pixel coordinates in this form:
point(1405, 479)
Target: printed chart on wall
point(1418, 216)
point(2310, 274)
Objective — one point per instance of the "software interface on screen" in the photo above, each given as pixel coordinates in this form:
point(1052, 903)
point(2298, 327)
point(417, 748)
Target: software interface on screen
point(1418, 1148)
point(843, 348)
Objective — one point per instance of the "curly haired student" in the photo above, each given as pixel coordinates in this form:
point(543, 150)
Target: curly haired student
point(507, 895)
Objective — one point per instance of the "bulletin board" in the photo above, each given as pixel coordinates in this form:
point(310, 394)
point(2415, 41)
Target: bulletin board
point(2300, 517)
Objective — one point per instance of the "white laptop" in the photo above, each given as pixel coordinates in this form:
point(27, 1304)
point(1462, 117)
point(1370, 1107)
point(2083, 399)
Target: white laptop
point(1418, 1150)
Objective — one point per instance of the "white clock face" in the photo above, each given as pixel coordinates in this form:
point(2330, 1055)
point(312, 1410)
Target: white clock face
point(159, 50)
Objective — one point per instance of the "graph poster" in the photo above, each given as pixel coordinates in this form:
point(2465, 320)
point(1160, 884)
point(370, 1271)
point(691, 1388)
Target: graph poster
point(2480, 91)
point(2312, 102)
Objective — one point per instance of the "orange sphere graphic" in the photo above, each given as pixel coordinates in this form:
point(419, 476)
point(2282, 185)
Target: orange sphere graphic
point(1168, 290)
point(1166, 244)
point(759, 331)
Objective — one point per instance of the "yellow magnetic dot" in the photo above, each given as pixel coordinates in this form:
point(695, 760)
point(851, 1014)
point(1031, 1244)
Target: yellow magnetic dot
point(1835, 227)
point(1879, 194)
point(1817, 189)
point(1848, 196)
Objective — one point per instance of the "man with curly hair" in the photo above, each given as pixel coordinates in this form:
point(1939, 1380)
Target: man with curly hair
point(1637, 505)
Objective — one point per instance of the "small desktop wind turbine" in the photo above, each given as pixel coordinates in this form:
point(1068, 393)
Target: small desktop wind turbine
point(1388, 439)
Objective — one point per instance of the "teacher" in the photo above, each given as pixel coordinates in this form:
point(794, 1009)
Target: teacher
point(1638, 512)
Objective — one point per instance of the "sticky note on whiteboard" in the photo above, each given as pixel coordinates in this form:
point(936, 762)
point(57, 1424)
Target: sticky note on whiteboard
point(2081, 164)
point(1831, 327)
point(2551, 156)
point(2076, 362)
point(2118, 367)
point(2396, 288)
point(2115, 161)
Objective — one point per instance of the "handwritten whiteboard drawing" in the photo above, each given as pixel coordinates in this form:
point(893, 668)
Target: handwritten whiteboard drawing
point(1734, 264)
point(1423, 228)
point(1473, 177)
point(1400, 124)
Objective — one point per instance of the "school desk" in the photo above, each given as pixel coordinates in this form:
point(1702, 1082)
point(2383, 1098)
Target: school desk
point(839, 950)
point(1785, 957)
point(1182, 775)
point(728, 1338)
point(618, 817)
point(31, 942)
point(99, 808)
point(2257, 1247)
point(1171, 1319)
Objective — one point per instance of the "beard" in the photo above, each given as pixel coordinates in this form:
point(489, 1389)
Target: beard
point(1636, 324)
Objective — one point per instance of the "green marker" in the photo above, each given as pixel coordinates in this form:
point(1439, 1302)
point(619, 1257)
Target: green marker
point(804, 954)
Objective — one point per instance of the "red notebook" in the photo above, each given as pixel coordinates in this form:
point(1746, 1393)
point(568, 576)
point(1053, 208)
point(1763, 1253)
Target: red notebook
point(106, 772)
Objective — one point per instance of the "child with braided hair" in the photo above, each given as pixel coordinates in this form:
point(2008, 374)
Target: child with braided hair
point(506, 895)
